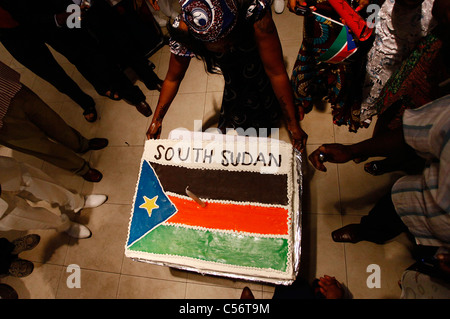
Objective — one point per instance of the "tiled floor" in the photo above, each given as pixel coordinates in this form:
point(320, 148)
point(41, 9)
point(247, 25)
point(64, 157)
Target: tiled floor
point(333, 199)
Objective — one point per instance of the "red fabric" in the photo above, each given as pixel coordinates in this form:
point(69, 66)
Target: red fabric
point(6, 20)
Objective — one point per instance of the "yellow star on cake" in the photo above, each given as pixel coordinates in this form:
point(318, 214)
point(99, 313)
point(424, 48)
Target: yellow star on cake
point(149, 205)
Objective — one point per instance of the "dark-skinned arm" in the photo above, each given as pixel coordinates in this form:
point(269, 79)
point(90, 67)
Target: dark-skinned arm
point(270, 50)
point(177, 69)
point(381, 145)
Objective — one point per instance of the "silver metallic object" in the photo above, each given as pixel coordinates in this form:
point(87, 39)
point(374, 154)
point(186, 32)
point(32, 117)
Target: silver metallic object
point(322, 157)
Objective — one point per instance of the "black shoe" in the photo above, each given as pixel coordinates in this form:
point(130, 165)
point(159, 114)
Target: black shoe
point(90, 115)
point(97, 143)
point(144, 108)
point(348, 234)
point(93, 176)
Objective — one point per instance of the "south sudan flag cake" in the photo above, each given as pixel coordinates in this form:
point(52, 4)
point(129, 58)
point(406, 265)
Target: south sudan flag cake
point(216, 208)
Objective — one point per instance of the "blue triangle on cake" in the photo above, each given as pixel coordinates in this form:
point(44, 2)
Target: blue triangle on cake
point(151, 205)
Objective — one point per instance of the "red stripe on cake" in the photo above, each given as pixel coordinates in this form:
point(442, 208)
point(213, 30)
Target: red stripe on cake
point(234, 217)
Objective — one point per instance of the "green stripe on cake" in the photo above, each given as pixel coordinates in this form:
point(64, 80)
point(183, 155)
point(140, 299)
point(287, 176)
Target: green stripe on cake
point(225, 248)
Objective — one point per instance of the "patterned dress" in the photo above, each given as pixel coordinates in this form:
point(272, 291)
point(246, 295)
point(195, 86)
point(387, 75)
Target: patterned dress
point(399, 31)
point(248, 98)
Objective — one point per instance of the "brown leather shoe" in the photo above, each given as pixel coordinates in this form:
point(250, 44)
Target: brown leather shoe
point(144, 108)
point(93, 176)
point(348, 234)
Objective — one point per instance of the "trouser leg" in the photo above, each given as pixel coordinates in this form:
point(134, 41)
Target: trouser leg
point(28, 125)
point(35, 56)
point(382, 223)
point(6, 248)
point(21, 216)
point(45, 188)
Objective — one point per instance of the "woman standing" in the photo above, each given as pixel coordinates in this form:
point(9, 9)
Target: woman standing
point(237, 38)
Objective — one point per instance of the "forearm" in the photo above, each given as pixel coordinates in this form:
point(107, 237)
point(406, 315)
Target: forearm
point(271, 53)
point(170, 86)
point(283, 92)
point(168, 92)
point(381, 145)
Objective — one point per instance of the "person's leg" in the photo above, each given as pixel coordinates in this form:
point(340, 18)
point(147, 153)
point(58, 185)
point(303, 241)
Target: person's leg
point(28, 125)
point(380, 225)
point(6, 248)
point(21, 216)
point(34, 55)
point(45, 188)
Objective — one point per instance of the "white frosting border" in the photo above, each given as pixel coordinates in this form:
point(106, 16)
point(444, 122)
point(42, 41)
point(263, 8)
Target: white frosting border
point(210, 266)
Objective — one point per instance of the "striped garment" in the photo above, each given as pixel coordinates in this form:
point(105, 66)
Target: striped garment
point(423, 201)
point(9, 86)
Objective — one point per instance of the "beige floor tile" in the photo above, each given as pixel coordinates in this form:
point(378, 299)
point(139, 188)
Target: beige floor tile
point(290, 51)
point(289, 25)
point(52, 247)
point(144, 269)
point(42, 283)
point(72, 114)
point(392, 259)
point(104, 251)
point(47, 92)
point(320, 255)
point(93, 284)
point(131, 287)
point(122, 124)
point(360, 190)
point(184, 111)
point(195, 80)
point(321, 189)
point(120, 166)
point(343, 135)
point(318, 124)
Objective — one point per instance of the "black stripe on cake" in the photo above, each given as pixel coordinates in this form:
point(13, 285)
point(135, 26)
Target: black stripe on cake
point(223, 184)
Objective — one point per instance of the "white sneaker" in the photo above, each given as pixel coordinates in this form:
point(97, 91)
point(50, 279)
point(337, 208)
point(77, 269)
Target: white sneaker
point(278, 6)
point(78, 231)
point(91, 201)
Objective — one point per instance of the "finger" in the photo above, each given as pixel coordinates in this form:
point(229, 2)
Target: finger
point(314, 159)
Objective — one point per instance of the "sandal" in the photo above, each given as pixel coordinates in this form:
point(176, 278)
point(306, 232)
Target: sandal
point(113, 95)
point(90, 114)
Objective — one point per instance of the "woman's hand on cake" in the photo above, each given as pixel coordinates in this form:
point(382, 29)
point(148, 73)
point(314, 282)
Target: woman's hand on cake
point(154, 130)
point(333, 153)
point(299, 138)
